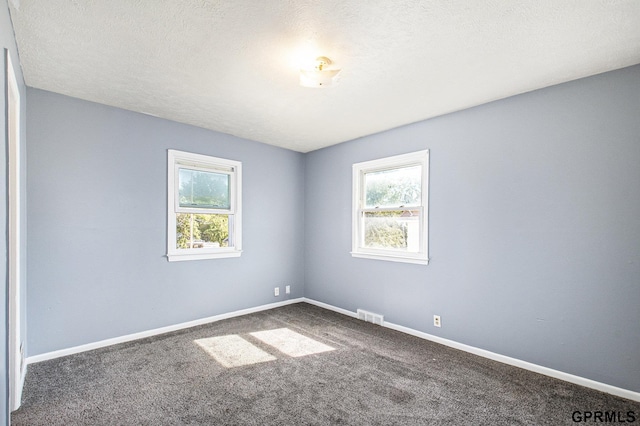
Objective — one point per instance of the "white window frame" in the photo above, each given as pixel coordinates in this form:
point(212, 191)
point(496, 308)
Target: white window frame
point(210, 164)
point(358, 195)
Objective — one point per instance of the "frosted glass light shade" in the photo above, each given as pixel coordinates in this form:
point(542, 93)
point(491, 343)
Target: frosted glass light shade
point(318, 78)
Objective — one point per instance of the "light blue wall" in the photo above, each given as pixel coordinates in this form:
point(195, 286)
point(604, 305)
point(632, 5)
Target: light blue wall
point(7, 41)
point(534, 229)
point(97, 189)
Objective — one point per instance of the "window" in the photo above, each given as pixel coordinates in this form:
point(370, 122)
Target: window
point(204, 207)
point(390, 213)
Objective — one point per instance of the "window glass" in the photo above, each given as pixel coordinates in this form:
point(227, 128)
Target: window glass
point(203, 189)
point(392, 230)
point(394, 187)
point(202, 230)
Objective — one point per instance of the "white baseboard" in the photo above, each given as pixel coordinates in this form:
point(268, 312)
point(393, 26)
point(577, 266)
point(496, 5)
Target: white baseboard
point(602, 387)
point(141, 335)
point(330, 307)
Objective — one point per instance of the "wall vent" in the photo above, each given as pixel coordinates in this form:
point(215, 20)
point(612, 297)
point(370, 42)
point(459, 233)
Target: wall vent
point(370, 317)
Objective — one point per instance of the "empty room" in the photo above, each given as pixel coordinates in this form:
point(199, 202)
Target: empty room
point(317, 213)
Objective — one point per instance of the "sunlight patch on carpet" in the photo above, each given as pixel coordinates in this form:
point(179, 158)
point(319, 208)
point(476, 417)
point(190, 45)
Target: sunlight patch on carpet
point(233, 351)
point(291, 343)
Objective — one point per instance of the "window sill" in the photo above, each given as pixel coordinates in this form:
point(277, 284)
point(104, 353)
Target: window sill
point(391, 258)
point(202, 256)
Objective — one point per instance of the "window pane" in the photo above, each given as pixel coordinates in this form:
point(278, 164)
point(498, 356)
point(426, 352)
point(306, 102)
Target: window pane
point(202, 230)
point(393, 188)
point(392, 230)
point(204, 190)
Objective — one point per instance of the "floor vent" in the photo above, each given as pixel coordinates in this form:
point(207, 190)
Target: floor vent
point(370, 317)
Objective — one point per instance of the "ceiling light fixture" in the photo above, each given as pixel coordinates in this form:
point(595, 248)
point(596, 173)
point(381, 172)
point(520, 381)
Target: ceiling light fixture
point(319, 76)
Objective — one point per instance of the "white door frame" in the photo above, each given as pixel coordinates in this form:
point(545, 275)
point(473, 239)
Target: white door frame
point(16, 360)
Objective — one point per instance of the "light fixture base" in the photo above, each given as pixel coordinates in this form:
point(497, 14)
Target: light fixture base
point(322, 61)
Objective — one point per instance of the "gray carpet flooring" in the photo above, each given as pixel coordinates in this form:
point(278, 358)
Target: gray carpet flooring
point(371, 376)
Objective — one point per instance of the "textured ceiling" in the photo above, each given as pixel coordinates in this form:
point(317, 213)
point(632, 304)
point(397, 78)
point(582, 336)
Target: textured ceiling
point(232, 66)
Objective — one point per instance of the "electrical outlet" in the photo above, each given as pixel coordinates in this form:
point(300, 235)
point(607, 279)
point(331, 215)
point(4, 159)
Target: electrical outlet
point(436, 321)
point(287, 289)
point(276, 291)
